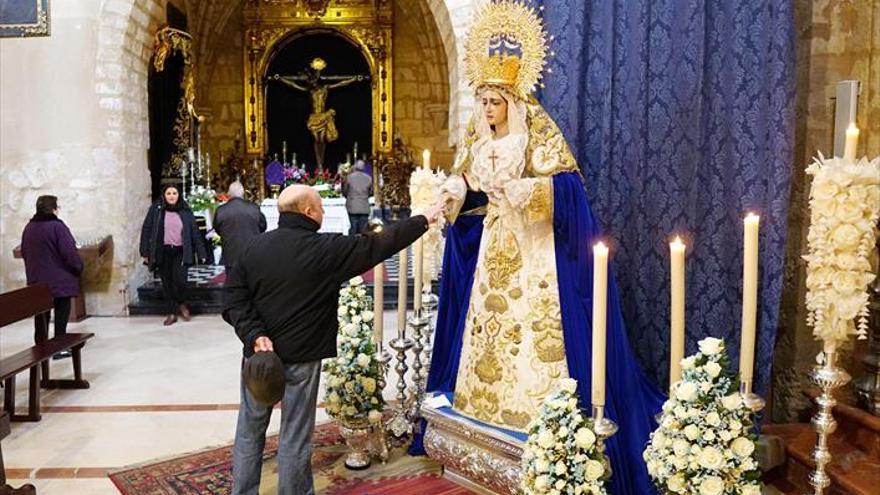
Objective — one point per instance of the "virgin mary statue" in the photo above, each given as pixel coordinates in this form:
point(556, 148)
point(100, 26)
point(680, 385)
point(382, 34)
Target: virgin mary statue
point(516, 288)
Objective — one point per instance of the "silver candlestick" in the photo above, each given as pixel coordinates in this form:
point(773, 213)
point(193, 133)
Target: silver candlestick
point(829, 378)
point(752, 401)
point(429, 303)
point(420, 324)
point(604, 429)
point(399, 424)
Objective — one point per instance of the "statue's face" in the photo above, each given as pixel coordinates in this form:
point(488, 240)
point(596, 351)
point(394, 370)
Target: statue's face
point(494, 107)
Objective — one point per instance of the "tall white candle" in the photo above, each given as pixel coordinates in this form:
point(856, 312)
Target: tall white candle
point(750, 297)
point(600, 303)
point(418, 275)
point(402, 285)
point(426, 159)
point(378, 302)
point(852, 142)
point(676, 313)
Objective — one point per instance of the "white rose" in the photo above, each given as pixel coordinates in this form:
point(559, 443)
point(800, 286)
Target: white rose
point(709, 435)
point(559, 485)
point(369, 385)
point(593, 470)
point(846, 237)
point(742, 447)
point(688, 363)
point(711, 346)
point(584, 438)
point(542, 466)
point(753, 489)
point(692, 432)
point(676, 484)
point(568, 385)
point(680, 412)
point(680, 463)
point(686, 391)
point(705, 387)
point(561, 468)
point(341, 311)
point(356, 281)
point(545, 439)
point(713, 418)
point(542, 482)
point(375, 416)
point(732, 402)
point(713, 369)
point(563, 432)
point(735, 425)
point(725, 435)
point(363, 360)
point(680, 447)
point(712, 485)
point(368, 316)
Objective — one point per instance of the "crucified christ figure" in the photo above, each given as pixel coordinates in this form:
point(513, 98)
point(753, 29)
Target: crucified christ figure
point(322, 120)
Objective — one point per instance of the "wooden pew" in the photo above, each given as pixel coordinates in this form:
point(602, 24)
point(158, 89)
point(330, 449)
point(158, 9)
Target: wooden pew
point(35, 301)
point(4, 488)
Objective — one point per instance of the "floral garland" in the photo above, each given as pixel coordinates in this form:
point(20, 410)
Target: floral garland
point(352, 392)
point(705, 443)
point(844, 208)
point(561, 456)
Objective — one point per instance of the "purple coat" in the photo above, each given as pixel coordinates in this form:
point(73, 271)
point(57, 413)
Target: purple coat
point(50, 256)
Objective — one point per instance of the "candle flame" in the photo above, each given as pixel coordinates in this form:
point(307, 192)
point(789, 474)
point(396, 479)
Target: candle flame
point(677, 241)
point(752, 217)
point(852, 128)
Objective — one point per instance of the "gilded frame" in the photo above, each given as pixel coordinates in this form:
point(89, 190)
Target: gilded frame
point(271, 24)
point(27, 27)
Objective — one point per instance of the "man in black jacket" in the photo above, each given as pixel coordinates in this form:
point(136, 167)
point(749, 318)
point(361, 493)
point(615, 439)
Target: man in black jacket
point(282, 296)
point(238, 221)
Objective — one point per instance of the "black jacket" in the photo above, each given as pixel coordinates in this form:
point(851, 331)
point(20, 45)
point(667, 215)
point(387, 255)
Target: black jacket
point(153, 235)
point(286, 283)
point(238, 221)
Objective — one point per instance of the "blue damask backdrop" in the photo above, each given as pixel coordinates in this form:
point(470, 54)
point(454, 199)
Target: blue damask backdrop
point(681, 115)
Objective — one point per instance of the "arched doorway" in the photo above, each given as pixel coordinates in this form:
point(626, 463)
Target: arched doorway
point(288, 108)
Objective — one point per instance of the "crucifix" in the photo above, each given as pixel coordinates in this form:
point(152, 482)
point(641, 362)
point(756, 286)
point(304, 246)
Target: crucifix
point(321, 122)
point(494, 156)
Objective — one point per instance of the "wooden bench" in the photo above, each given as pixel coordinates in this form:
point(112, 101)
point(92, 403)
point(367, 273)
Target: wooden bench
point(36, 301)
point(4, 488)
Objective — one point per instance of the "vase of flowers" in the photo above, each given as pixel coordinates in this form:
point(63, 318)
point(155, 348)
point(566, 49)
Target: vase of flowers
point(561, 455)
point(352, 396)
point(705, 443)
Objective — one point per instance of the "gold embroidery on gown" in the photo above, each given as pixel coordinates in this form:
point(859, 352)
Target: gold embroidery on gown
point(512, 351)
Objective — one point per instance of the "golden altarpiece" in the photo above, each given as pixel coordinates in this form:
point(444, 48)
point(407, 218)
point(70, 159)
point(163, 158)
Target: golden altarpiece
point(270, 24)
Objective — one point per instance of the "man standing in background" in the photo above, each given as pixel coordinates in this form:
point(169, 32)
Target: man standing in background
point(237, 222)
point(357, 189)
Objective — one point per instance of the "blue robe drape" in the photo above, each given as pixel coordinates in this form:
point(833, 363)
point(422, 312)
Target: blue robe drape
point(632, 401)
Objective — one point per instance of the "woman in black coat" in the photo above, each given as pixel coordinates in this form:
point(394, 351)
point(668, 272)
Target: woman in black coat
point(169, 243)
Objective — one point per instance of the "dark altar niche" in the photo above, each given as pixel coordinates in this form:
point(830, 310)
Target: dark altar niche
point(288, 110)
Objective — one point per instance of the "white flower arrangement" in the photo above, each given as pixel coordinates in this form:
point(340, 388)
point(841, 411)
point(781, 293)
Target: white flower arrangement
point(352, 393)
point(844, 208)
point(705, 443)
point(561, 456)
point(424, 191)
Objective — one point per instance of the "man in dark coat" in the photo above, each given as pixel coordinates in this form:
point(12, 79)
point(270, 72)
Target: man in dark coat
point(357, 189)
point(238, 221)
point(282, 297)
point(51, 258)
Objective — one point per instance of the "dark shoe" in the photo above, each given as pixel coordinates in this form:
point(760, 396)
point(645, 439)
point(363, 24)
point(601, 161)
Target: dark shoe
point(184, 312)
point(170, 320)
point(62, 355)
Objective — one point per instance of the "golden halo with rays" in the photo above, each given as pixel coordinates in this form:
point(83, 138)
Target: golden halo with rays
point(512, 21)
point(318, 64)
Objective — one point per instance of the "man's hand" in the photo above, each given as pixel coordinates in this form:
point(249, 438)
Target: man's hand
point(263, 344)
point(435, 212)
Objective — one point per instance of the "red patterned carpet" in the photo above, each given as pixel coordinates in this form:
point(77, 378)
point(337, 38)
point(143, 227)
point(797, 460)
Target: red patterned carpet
point(209, 473)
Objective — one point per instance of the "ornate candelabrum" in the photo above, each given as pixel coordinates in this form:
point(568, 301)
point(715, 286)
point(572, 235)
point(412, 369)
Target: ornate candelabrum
point(604, 429)
point(868, 385)
point(399, 424)
point(752, 401)
point(429, 303)
point(421, 324)
point(828, 377)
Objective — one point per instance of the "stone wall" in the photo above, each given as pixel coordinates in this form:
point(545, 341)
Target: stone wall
point(75, 124)
point(835, 41)
point(421, 82)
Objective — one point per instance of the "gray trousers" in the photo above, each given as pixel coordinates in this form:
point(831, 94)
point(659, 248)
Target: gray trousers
point(295, 440)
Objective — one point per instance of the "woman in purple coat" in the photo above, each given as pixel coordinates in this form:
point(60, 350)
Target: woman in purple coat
point(50, 257)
